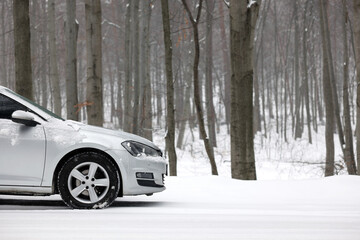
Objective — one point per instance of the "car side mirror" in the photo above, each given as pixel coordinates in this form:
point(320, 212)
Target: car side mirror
point(24, 118)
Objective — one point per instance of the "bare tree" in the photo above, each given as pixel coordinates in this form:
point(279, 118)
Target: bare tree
point(199, 111)
point(94, 88)
point(170, 118)
point(23, 71)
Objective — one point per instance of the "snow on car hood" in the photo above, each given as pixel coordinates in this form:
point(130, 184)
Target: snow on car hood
point(123, 136)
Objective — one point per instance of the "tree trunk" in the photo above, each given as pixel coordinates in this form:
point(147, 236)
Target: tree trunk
point(332, 77)
point(23, 71)
point(276, 92)
point(44, 61)
point(226, 68)
point(170, 118)
point(146, 109)
point(3, 77)
point(211, 116)
point(94, 93)
point(329, 107)
point(128, 70)
point(197, 98)
point(54, 73)
point(71, 31)
point(357, 53)
point(305, 76)
point(298, 131)
point(243, 17)
point(349, 157)
point(136, 69)
point(187, 109)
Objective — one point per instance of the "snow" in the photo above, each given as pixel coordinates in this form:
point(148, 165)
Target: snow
point(291, 199)
point(275, 158)
point(205, 207)
point(251, 3)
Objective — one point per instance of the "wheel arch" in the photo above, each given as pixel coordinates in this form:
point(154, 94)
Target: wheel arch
point(82, 150)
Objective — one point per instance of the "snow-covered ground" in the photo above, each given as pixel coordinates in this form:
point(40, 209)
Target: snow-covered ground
point(275, 158)
point(291, 200)
point(199, 208)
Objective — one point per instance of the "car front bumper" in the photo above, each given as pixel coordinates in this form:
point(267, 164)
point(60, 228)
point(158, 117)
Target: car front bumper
point(141, 175)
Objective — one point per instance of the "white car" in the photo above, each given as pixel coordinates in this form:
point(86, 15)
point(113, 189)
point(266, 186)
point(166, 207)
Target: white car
point(42, 154)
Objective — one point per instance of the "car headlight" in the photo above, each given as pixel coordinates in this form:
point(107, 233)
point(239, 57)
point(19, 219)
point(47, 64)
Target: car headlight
point(137, 149)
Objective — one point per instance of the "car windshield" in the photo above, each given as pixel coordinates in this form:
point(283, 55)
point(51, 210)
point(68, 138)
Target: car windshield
point(37, 105)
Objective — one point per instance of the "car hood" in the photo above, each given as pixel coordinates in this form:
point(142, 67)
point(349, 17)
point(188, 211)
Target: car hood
point(103, 132)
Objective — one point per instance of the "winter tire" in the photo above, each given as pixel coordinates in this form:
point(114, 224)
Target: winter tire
point(88, 181)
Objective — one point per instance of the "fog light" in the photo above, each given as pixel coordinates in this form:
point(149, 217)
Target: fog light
point(144, 175)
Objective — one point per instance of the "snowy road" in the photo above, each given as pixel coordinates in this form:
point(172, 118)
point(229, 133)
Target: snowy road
point(199, 208)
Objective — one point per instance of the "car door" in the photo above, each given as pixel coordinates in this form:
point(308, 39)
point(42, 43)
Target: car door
point(22, 148)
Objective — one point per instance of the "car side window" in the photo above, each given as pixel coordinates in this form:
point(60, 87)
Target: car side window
point(8, 106)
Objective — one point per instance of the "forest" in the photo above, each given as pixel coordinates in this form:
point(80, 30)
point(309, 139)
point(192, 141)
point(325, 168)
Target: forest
point(232, 73)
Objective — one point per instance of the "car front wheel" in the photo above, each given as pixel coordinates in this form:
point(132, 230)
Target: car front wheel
point(88, 180)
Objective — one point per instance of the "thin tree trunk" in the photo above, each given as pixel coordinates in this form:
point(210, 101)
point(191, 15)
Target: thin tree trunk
point(128, 70)
point(329, 108)
point(71, 32)
point(210, 109)
point(187, 110)
point(357, 54)
point(276, 92)
point(44, 65)
point(226, 68)
point(23, 71)
point(332, 78)
point(120, 66)
point(305, 76)
point(136, 69)
point(170, 118)
point(197, 98)
point(146, 110)
point(54, 73)
point(3, 77)
point(158, 85)
point(298, 131)
point(349, 157)
point(94, 95)
point(263, 88)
